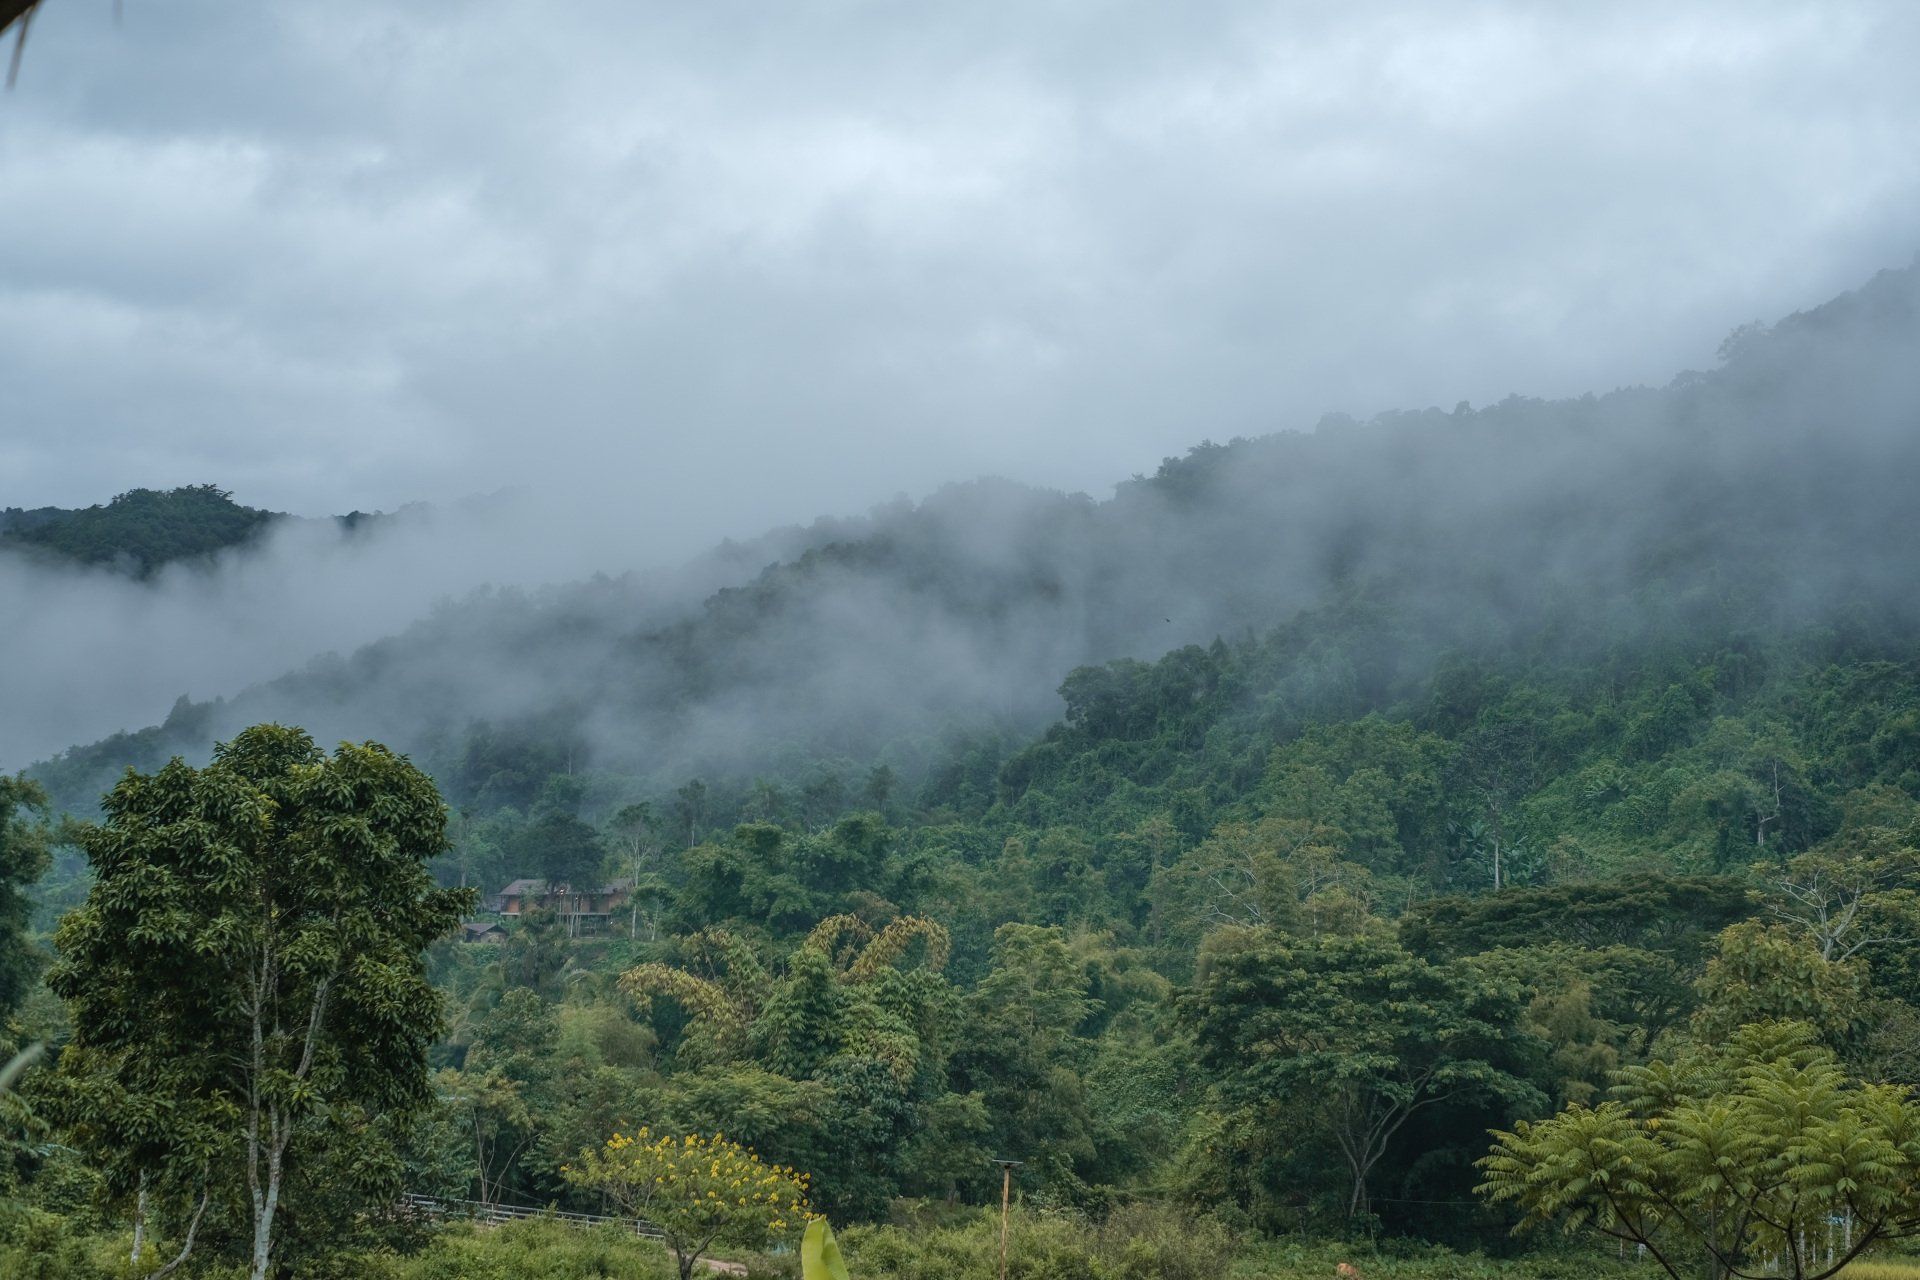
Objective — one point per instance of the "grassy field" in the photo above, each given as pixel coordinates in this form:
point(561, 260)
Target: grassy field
point(1142, 1243)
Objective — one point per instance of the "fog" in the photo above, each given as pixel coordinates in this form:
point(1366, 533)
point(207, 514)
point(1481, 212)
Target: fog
point(90, 650)
point(725, 268)
point(657, 277)
point(1770, 496)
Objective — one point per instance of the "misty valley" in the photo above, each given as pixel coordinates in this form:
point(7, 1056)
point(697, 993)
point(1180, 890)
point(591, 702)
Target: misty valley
point(1455, 844)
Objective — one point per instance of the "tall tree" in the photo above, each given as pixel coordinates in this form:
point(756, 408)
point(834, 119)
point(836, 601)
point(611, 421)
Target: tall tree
point(1353, 1032)
point(1775, 972)
point(23, 857)
point(637, 832)
point(1494, 766)
point(250, 959)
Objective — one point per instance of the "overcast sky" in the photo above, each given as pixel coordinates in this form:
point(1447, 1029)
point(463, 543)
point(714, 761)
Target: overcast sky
point(717, 265)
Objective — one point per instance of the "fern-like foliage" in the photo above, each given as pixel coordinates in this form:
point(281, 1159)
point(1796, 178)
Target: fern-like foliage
point(1759, 1152)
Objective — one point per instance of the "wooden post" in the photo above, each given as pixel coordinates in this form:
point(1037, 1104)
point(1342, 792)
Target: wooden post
point(1006, 1196)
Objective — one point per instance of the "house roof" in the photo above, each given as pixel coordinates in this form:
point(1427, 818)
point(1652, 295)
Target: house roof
point(532, 888)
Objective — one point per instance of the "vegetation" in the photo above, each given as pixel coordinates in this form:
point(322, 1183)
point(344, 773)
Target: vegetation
point(245, 982)
point(1249, 957)
point(699, 1191)
point(143, 530)
point(1757, 1152)
point(23, 859)
point(1270, 983)
point(139, 531)
point(820, 1257)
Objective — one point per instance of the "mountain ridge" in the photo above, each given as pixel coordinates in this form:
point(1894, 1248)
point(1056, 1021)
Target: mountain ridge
point(141, 531)
point(1771, 490)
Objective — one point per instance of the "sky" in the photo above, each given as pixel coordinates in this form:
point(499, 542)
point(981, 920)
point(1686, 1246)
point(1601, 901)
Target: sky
point(659, 274)
point(696, 270)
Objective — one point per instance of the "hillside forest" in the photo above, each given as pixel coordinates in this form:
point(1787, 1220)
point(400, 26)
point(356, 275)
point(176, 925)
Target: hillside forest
point(1334, 849)
point(142, 530)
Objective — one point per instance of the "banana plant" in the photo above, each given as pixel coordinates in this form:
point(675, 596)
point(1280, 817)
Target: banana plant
point(820, 1254)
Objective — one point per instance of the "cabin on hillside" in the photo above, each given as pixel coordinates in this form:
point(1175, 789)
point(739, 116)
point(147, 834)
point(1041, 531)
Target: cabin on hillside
point(587, 911)
point(483, 931)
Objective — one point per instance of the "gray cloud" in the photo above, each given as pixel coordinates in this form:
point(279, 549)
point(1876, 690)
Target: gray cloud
point(693, 270)
point(88, 652)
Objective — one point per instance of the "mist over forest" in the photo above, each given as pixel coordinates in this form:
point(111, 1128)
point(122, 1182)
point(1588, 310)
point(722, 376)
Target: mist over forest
point(1247, 850)
point(1767, 494)
point(1253, 641)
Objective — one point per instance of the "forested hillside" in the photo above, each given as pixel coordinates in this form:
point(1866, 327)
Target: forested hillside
point(141, 530)
point(1250, 844)
point(1766, 497)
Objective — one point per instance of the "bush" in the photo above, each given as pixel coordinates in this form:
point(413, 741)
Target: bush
point(1147, 1241)
point(532, 1250)
point(1406, 1260)
point(37, 1245)
point(1136, 1242)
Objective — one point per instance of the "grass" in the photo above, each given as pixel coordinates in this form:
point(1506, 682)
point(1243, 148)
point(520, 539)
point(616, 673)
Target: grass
point(1319, 1260)
point(1884, 1269)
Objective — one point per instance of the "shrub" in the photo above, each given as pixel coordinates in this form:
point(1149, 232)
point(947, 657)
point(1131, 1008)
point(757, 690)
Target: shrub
point(1137, 1242)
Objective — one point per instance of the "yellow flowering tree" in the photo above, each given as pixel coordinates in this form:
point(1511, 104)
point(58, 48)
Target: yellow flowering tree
point(699, 1191)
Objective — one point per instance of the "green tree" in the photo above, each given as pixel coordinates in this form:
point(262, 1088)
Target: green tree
point(1494, 767)
point(142, 529)
point(850, 1035)
point(1354, 1033)
point(1678, 916)
point(23, 858)
point(697, 1190)
point(1857, 889)
point(636, 832)
point(504, 1088)
point(1774, 972)
point(1021, 1051)
point(245, 980)
point(1757, 1152)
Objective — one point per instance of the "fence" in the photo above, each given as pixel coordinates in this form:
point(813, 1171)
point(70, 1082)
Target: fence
point(479, 1211)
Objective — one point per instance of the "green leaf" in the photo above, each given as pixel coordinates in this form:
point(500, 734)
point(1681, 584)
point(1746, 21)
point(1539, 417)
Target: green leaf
point(820, 1253)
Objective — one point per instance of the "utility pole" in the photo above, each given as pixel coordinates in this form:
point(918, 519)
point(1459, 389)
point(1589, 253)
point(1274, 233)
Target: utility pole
point(1006, 1195)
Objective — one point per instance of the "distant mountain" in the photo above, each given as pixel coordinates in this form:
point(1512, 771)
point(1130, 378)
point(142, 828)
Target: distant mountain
point(1773, 494)
point(141, 530)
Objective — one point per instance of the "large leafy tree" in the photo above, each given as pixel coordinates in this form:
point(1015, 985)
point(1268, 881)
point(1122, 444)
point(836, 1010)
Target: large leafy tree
point(504, 1086)
point(245, 979)
point(1858, 889)
point(23, 857)
point(1773, 972)
point(1353, 1034)
point(1757, 1152)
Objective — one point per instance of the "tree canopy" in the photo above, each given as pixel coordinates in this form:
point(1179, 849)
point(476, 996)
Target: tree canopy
point(245, 979)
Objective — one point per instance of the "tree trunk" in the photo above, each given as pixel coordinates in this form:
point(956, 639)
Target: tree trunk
point(140, 1220)
point(263, 1216)
point(186, 1245)
point(1358, 1202)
